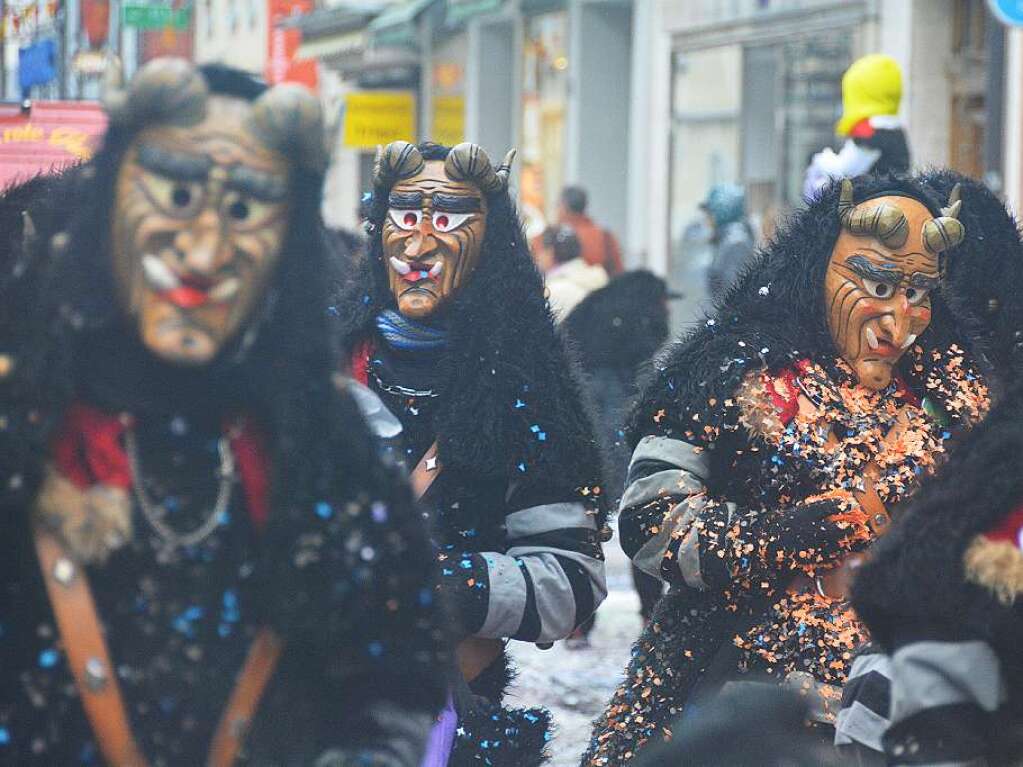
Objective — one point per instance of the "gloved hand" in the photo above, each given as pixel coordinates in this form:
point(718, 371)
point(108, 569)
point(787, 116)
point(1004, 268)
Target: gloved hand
point(801, 535)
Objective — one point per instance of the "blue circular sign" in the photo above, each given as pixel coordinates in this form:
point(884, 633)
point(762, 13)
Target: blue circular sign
point(1007, 11)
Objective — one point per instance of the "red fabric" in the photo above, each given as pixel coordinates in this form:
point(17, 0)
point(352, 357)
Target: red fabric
point(862, 129)
point(786, 404)
point(1008, 529)
point(253, 462)
point(360, 361)
point(88, 450)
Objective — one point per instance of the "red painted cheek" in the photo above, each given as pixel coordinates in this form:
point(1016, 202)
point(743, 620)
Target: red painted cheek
point(920, 315)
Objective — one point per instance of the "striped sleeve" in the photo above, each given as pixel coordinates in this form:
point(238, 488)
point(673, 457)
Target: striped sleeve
point(943, 697)
point(866, 701)
point(549, 580)
point(670, 527)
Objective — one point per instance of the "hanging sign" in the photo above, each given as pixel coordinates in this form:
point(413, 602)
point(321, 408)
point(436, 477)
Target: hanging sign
point(375, 118)
point(282, 63)
point(156, 16)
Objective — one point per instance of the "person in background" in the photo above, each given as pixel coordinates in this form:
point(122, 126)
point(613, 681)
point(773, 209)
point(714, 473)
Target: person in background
point(571, 278)
point(599, 246)
point(732, 241)
point(616, 331)
point(874, 138)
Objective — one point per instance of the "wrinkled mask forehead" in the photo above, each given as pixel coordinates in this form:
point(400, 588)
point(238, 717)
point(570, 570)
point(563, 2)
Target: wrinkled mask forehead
point(432, 238)
point(200, 217)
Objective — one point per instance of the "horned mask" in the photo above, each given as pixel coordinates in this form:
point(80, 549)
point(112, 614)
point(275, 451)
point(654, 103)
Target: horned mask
point(202, 204)
point(436, 220)
point(882, 270)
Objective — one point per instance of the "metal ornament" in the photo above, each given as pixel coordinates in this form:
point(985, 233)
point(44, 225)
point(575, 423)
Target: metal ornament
point(95, 674)
point(154, 516)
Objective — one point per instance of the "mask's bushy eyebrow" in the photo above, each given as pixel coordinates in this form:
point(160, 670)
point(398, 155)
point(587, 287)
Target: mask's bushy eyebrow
point(923, 281)
point(864, 267)
point(175, 165)
point(405, 199)
point(262, 186)
point(456, 203)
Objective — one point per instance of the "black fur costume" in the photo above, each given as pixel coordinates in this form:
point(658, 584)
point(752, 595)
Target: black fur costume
point(916, 589)
point(986, 281)
point(770, 320)
point(508, 411)
point(341, 571)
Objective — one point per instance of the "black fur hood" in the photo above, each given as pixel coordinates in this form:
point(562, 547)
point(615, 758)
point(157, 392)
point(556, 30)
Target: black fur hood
point(504, 369)
point(772, 317)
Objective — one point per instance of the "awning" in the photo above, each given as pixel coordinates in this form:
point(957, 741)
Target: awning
point(345, 45)
point(458, 11)
point(396, 27)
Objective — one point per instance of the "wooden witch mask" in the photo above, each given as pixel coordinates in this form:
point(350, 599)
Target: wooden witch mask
point(882, 270)
point(201, 204)
point(436, 220)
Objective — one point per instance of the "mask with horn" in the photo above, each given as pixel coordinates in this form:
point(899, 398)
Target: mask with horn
point(202, 203)
point(882, 270)
point(436, 220)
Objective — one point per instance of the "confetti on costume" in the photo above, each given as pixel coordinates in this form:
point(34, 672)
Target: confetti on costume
point(186, 452)
point(754, 444)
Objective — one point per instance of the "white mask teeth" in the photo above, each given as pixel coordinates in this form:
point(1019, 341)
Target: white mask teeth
point(225, 289)
point(435, 269)
point(400, 266)
point(158, 275)
point(871, 337)
point(909, 341)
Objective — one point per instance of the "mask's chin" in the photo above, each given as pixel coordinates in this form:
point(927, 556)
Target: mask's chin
point(418, 303)
point(873, 374)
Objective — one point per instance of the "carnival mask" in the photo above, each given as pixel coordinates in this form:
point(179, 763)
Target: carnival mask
point(201, 211)
point(436, 221)
point(882, 270)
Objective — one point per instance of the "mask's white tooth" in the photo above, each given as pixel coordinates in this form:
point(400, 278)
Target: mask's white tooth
point(435, 269)
point(158, 274)
point(400, 266)
point(225, 289)
point(909, 340)
point(871, 337)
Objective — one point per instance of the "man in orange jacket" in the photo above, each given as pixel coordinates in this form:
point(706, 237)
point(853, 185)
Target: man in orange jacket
point(599, 246)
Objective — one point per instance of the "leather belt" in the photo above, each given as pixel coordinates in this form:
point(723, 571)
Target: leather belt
point(96, 680)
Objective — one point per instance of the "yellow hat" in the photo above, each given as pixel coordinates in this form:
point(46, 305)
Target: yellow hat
point(871, 86)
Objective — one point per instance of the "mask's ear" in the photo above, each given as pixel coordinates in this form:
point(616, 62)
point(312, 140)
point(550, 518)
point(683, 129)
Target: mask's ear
point(166, 90)
point(396, 161)
point(946, 231)
point(288, 118)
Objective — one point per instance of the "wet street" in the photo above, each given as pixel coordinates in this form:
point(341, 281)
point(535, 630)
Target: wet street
point(576, 684)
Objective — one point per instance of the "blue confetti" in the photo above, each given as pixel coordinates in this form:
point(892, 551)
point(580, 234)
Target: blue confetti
point(48, 658)
point(5, 736)
point(519, 404)
point(324, 510)
point(521, 467)
point(376, 649)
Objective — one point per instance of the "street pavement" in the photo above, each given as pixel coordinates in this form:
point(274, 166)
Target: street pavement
point(576, 684)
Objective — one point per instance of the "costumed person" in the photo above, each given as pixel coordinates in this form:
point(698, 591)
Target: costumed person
point(201, 559)
point(983, 286)
point(772, 442)
point(875, 141)
point(941, 595)
point(616, 331)
point(570, 279)
point(448, 326)
point(731, 240)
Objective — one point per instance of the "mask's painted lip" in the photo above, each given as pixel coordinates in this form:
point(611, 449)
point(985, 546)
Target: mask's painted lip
point(416, 271)
point(186, 297)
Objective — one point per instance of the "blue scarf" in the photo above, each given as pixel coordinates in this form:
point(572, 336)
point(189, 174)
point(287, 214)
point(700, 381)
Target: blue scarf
point(408, 335)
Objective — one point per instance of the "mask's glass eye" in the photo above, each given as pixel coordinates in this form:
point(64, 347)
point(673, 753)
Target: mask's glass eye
point(180, 199)
point(406, 219)
point(445, 222)
point(878, 289)
point(916, 296)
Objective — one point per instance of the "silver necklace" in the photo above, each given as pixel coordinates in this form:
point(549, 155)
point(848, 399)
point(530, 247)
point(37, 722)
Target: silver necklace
point(154, 514)
point(402, 390)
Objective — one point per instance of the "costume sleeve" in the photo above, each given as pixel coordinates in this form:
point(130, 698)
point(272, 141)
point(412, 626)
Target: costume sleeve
point(943, 697)
point(548, 581)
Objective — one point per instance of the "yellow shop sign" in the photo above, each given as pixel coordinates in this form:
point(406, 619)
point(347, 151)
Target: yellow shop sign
point(373, 118)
